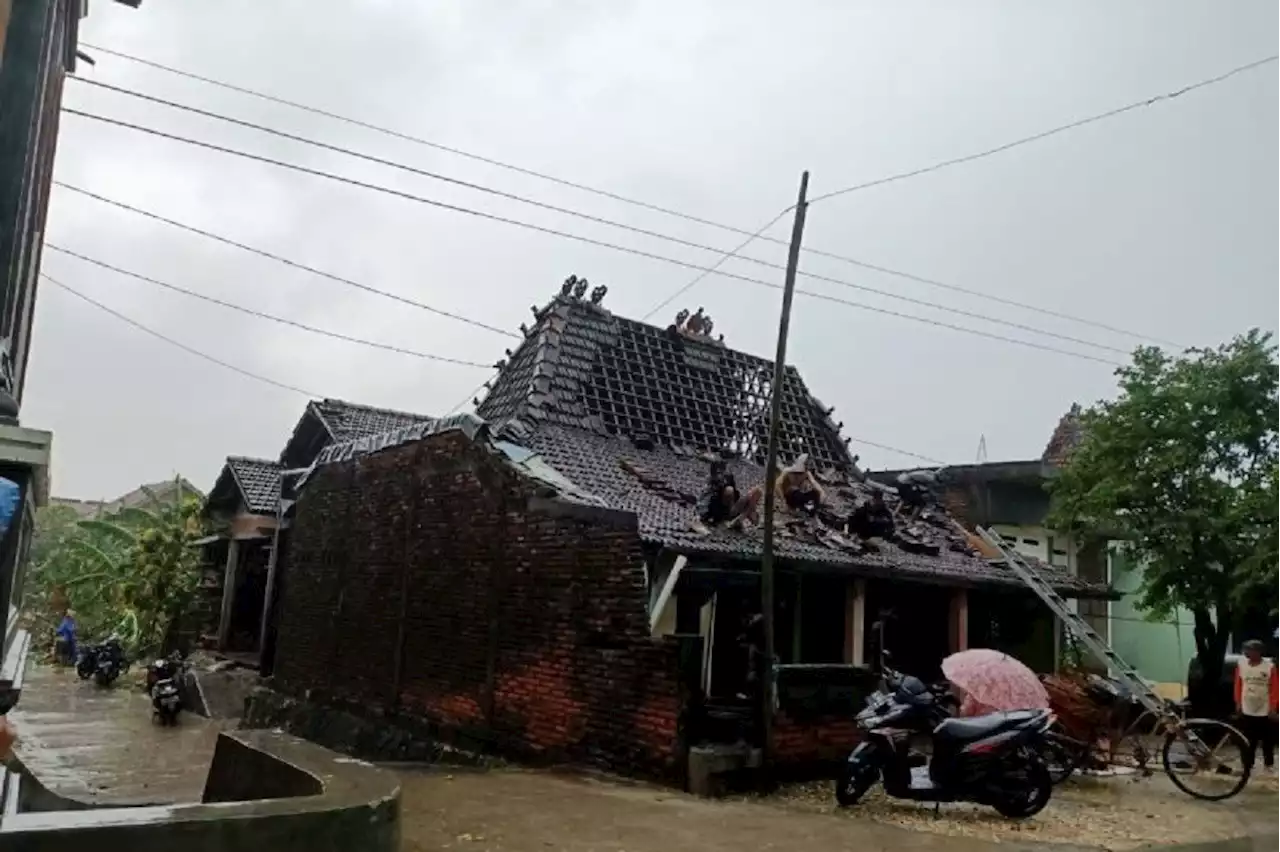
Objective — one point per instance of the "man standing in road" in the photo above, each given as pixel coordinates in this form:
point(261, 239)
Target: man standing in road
point(1256, 701)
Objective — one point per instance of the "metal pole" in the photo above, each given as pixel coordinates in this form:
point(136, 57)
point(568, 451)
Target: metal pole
point(771, 473)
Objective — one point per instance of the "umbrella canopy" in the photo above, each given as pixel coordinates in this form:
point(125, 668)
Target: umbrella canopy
point(994, 681)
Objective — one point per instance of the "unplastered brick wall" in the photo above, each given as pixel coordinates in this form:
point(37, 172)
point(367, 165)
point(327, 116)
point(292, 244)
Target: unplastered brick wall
point(421, 582)
point(810, 743)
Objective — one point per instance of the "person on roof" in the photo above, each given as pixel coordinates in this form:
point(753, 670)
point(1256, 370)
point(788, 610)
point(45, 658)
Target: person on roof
point(797, 489)
point(1256, 703)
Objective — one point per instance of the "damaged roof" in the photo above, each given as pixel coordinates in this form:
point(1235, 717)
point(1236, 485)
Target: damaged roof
point(1066, 437)
point(628, 412)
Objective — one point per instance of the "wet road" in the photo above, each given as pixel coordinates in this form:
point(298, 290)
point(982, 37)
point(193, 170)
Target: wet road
point(100, 745)
point(525, 811)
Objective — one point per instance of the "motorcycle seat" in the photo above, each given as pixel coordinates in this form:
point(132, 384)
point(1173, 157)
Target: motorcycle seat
point(977, 727)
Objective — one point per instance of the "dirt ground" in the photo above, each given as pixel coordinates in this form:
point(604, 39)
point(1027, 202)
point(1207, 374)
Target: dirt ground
point(524, 811)
point(1110, 813)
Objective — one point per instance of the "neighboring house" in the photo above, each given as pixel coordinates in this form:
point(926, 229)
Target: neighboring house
point(166, 491)
point(1011, 498)
point(535, 578)
point(245, 504)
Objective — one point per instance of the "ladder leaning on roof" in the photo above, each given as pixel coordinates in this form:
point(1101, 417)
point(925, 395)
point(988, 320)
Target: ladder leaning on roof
point(1121, 670)
point(1192, 743)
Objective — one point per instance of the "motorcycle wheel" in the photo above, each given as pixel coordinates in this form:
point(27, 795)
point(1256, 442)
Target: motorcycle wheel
point(851, 786)
point(1034, 795)
point(1062, 756)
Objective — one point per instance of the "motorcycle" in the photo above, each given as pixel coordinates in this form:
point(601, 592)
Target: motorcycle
point(991, 760)
point(162, 685)
point(104, 662)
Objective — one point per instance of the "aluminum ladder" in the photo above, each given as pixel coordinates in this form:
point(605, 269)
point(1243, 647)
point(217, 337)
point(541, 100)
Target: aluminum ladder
point(1120, 670)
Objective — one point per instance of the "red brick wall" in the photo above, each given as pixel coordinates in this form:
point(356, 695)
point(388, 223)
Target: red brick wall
point(524, 629)
point(812, 742)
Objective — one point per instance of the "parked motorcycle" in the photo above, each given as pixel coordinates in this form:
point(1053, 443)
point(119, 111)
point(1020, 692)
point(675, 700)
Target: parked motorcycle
point(991, 760)
point(104, 662)
point(163, 677)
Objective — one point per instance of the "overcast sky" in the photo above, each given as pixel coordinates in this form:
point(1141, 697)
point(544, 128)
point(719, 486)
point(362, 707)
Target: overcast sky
point(1162, 221)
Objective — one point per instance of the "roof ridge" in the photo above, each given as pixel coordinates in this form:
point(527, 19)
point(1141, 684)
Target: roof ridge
point(258, 459)
point(373, 408)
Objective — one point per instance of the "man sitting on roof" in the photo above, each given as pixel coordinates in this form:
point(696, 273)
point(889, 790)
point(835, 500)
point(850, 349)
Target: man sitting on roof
point(872, 518)
point(797, 489)
point(720, 499)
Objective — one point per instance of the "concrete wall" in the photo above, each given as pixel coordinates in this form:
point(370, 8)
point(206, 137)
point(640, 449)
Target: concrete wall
point(1160, 652)
point(265, 790)
point(422, 581)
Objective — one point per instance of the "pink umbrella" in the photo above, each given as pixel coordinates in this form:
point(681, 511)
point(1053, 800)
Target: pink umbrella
point(993, 681)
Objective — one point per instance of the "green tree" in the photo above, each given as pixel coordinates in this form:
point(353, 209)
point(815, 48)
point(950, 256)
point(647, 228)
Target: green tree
point(134, 572)
point(1181, 468)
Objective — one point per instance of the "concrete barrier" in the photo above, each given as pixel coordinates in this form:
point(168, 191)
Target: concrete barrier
point(264, 790)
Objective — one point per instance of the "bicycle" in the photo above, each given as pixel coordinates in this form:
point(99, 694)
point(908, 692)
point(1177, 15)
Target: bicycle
point(1192, 752)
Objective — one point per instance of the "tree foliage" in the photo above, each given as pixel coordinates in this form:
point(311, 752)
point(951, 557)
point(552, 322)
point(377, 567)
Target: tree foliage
point(1181, 467)
point(134, 572)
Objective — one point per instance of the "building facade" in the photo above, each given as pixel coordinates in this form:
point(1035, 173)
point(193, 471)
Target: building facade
point(544, 579)
point(1011, 498)
point(37, 49)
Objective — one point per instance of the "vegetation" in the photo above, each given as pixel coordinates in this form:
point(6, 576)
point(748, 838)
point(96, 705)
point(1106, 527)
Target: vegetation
point(1181, 467)
point(133, 573)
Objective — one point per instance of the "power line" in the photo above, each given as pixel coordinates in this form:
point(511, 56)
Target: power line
point(262, 315)
point(884, 270)
point(640, 253)
point(734, 252)
point(591, 241)
point(310, 395)
point(1044, 134)
point(724, 257)
point(898, 450)
point(140, 327)
point(471, 394)
point(280, 259)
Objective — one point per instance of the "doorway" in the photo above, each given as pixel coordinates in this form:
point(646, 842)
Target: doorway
point(916, 621)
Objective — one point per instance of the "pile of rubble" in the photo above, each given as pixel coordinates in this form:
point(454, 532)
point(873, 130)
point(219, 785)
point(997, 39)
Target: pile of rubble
point(838, 510)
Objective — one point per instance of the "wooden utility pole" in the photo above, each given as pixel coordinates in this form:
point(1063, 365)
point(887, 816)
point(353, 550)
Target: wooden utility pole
point(769, 692)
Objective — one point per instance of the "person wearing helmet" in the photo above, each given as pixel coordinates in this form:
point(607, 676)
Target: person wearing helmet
point(1256, 702)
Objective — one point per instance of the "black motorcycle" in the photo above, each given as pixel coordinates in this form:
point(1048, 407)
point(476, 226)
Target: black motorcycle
point(163, 678)
point(104, 662)
point(991, 760)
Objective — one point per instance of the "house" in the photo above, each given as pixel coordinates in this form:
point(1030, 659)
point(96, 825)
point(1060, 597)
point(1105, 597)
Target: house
point(535, 578)
point(245, 505)
point(166, 491)
point(37, 48)
point(1010, 497)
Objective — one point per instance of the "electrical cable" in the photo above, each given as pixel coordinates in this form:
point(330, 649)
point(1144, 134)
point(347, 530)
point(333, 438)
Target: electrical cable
point(551, 231)
point(193, 351)
point(711, 223)
point(262, 315)
point(286, 261)
point(724, 257)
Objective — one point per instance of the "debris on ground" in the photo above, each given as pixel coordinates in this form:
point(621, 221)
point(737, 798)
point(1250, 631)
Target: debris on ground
point(1112, 813)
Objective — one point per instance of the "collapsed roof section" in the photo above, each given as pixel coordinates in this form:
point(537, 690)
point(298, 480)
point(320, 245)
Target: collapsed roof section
point(585, 368)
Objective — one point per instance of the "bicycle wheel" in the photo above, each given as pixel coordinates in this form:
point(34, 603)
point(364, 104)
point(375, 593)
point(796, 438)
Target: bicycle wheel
point(1205, 759)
